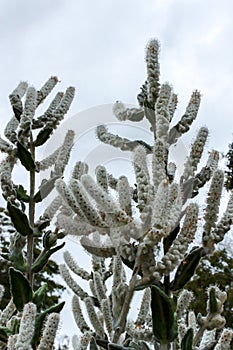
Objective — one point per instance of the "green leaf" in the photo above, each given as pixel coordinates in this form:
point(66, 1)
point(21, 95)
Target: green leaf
point(22, 194)
point(46, 187)
point(42, 260)
point(39, 295)
point(213, 303)
point(186, 269)
point(43, 136)
point(93, 345)
point(187, 341)
point(19, 220)
point(4, 334)
point(40, 319)
point(21, 290)
point(25, 157)
point(163, 316)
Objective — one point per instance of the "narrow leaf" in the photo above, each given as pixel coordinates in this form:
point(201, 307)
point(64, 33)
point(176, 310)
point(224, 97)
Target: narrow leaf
point(213, 304)
point(187, 341)
point(19, 220)
point(39, 295)
point(21, 290)
point(46, 187)
point(22, 194)
point(25, 157)
point(42, 261)
point(187, 269)
point(43, 136)
point(40, 319)
point(163, 318)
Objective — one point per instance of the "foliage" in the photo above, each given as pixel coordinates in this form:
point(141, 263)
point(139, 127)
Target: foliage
point(151, 229)
point(30, 319)
point(46, 276)
point(229, 171)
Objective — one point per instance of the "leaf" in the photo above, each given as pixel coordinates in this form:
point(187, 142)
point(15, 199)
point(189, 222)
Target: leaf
point(46, 187)
point(93, 345)
point(21, 290)
point(25, 157)
point(42, 260)
point(186, 269)
point(43, 136)
point(39, 295)
point(22, 194)
point(40, 319)
point(213, 303)
point(4, 334)
point(19, 220)
point(187, 341)
point(163, 317)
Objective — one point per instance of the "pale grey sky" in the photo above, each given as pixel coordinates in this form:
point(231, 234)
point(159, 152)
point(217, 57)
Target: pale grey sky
point(99, 46)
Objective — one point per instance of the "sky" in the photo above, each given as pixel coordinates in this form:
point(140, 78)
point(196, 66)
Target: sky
point(99, 47)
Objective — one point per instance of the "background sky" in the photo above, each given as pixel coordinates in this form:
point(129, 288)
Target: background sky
point(99, 47)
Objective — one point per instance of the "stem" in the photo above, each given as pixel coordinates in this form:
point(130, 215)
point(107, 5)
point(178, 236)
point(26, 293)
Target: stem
point(125, 308)
point(199, 334)
point(164, 347)
point(30, 238)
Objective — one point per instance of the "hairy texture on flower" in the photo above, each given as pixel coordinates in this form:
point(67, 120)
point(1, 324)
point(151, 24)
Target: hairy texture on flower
point(175, 203)
point(48, 161)
point(171, 170)
point(197, 148)
point(78, 315)
point(192, 320)
point(28, 113)
point(7, 313)
point(190, 115)
point(11, 342)
point(180, 245)
point(10, 129)
point(99, 286)
point(142, 176)
point(69, 198)
point(71, 283)
point(49, 332)
point(122, 113)
point(153, 70)
point(117, 271)
point(144, 308)
point(104, 201)
point(79, 169)
point(46, 89)
point(206, 172)
point(64, 153)
point(73, 266)
point(172, 105)
point(15, 98)
point(6, 167)
point(44, 118)
point(118, 299)
point(27, 327)
point(93, 317)
point(52, 208)
point(162, 113)
point(5, 146)
point(224, 225)
point(124, 194)
point(85, 204)
point(139, 334)
point(74, 227)
point(117, 141)
point(158, 163)
point(183, 301)
point(65, 103)
point(102, 177)
point(207, 338)
point(107, 314)
point(224, 340)
point(213, 202)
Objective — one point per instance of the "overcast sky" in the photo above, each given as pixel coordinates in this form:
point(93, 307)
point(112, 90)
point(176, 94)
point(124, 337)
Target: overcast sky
point(99, 47)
